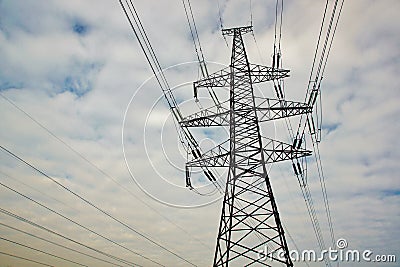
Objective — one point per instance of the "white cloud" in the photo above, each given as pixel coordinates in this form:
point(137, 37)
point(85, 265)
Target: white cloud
point(74, 66)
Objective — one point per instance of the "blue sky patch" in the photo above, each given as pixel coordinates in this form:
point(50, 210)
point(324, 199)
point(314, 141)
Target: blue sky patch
point(208, 133)
point(80, 80)
point(392, 192)
point(76, 85)
point(8, 85)
point(330, 127)
point(80, 28)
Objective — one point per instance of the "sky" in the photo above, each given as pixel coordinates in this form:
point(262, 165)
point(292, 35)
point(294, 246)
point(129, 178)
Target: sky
point(79, 103)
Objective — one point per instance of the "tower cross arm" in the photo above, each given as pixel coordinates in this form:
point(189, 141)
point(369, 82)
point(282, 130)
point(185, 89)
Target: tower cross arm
point(271, 109)
point(220, 78)
point(273, 150)
point(276, 151)
point(268, 109)
point(216, 157)
point(258, 74)
point(213, 116)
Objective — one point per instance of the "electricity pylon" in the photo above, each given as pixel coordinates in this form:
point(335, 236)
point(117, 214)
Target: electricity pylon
point(250, 230)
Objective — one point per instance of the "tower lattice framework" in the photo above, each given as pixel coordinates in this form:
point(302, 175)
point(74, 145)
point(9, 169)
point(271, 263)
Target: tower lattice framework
point(250, 231)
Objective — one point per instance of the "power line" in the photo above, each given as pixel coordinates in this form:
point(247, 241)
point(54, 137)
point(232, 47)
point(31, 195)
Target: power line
point(310, 80)
point(220, 22)
point(186, 138)
point(317, 46)
point(197, 46)
point(315, 82)
point(307, 196)
point(323, 189)
point(108, 176)
point(78, 224)
point(96, 207)
point(251, 13)
point(41, 251)
point(314, 219)
point(22, 219)
point(204, 71)
point(333, 35)
point(280, 26)
point(59, 245)
point(25, 259)
point(36, 190)
point(294, 243)
point(277, 58)
point(323, 58)
point(314, 85)
point(148, 51)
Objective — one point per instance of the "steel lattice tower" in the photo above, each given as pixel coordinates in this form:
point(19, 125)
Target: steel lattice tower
point(250, 221)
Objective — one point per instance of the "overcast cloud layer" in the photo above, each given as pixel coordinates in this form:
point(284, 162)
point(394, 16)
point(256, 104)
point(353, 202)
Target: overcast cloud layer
point(74, 66)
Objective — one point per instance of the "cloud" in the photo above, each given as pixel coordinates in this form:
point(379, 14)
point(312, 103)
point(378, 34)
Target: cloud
point(74, 66)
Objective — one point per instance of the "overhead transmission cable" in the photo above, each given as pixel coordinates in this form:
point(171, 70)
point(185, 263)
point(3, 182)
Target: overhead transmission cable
point(260, 56)
point(197, 46)
point(41, 251)
point(137, 232)
point(330, 44)
point(221, 25)
point(188, 141)
point(314, 220)
point(315, 82)
point(314, 85)
point(58, 245)
point(25, 259)
point(108, 176)
point(306, 193)
point(279, 88)
point(22, 219)
point(296, 140)
point(316, 76)
point(36, 190)
point(79, 224)
point(202, 62)
point(251, 13)
point(294, 243)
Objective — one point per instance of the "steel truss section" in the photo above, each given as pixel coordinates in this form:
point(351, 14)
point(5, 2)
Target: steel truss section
point(274, 151)
point(250, 231)
point(267, 109)
point(258, 74)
